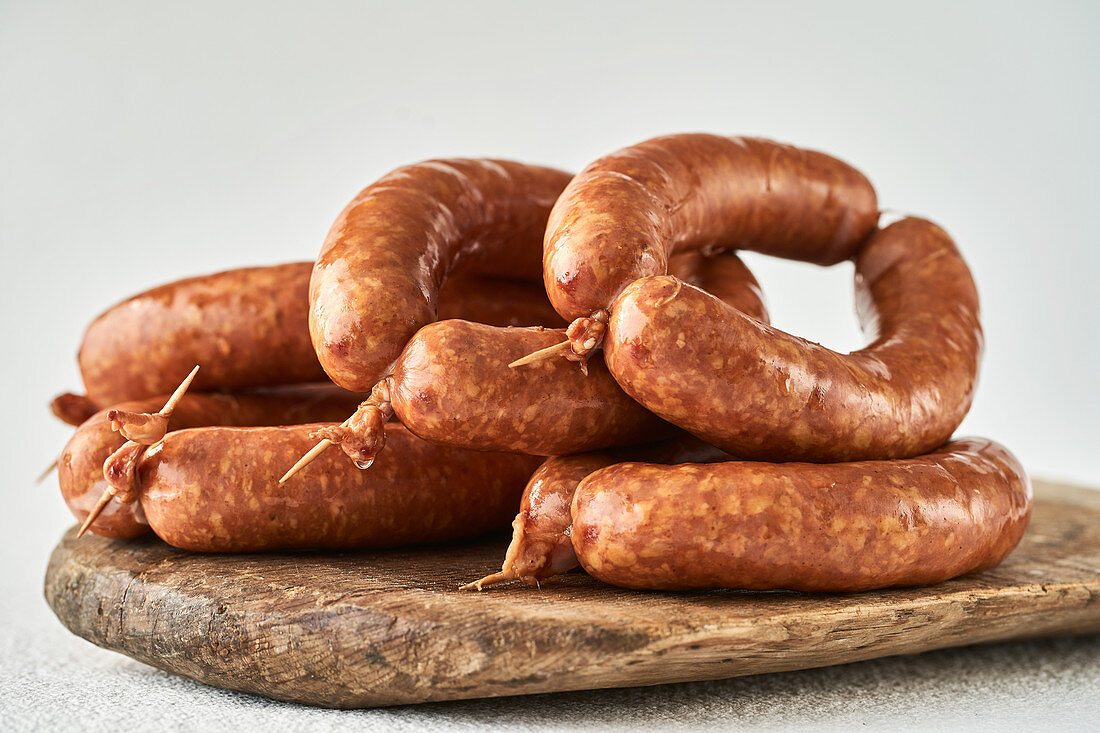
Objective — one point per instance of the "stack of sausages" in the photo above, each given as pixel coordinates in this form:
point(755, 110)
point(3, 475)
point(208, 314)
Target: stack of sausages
point(481, 335)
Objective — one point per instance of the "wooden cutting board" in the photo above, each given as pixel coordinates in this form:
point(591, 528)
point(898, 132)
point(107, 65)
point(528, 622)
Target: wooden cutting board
point(387, 628)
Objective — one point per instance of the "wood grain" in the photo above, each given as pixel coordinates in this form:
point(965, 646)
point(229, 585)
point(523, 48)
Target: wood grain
point(362, 630)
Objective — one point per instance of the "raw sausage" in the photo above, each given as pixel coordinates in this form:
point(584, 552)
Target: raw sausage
point(452, 385)
point(623, 216)
point(72, 408)
point(541, 546)
point(216, 490)
point(763, 394)
point(377, 279)
point(802, 526)
point(496, 301)
point(80, 467)
point(246, 328)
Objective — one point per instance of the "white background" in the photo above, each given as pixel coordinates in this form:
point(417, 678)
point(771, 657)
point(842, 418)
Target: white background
point(144, 142)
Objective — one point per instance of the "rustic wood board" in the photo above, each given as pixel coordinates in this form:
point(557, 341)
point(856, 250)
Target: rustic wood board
point(363, 630)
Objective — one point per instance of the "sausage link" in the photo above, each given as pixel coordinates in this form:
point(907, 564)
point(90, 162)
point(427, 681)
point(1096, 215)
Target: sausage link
point(541, 546)
point(246, 328)
point(496, 301)
point(801, 526)
point(763, 394)
point(452, 385)
point(80, 467)
point(72, 408)
point(217, 490)
point(623, 216)
point(725, 276)
point(377, 279)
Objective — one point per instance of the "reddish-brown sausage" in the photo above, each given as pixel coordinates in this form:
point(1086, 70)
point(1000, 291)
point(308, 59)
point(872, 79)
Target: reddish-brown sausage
point(623, 216)
point(541, 546)
point(763, 394)
point(246, 328)
point(495, 301)
point(80, 467)
point(217, 490)
point(452, 385)
point(802, 526)
point(377, 279)
point(72, 408)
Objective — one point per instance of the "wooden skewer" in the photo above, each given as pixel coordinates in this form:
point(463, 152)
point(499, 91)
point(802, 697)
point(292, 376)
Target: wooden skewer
point(96, 510)
point(315, 451)
point(148, 428)
point(49, 469)
point(305, 460)
point(493, 579)
point(109, 494)
point(539, 355)
point(170, 405)
point(379, 401)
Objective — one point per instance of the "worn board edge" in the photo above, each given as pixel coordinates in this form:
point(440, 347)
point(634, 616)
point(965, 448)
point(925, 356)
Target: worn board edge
point(939, 620)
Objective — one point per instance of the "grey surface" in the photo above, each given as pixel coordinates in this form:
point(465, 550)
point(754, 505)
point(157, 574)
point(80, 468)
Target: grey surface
point(1037, 685)
point(141, 142)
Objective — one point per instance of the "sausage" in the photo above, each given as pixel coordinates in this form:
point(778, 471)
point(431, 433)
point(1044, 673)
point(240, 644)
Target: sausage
point(80, 467)
point(377, 279)
point(761, 393)
point(247, 328)
point(541, 546)
point(801, 526)
point(495, 301)
point(72, 408)
point(452, 385)
point(623, 216)
point(216, 489)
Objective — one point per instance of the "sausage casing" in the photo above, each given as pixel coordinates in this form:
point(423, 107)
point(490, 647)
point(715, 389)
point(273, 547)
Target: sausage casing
point(377, 279)
point(623, 216)
point(452, 384)
point(217, 490)
point(760, 393)
point(801, 526)
point(541, 546)
point(246, 328)
point(496, 301)
point(80, 467)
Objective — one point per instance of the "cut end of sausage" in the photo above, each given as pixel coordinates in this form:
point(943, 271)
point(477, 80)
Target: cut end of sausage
point(72, 408)
point(120, 470)
point(363, 436)
point(141, 427)
point(586, 337)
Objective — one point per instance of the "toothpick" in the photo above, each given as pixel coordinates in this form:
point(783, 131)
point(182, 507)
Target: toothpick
point(49, 469)
point(308, 457)
point(170, 405)
point(166, 411)
point(149, 427)
point(493, 579)
point(539, 355)
point(96, 510)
